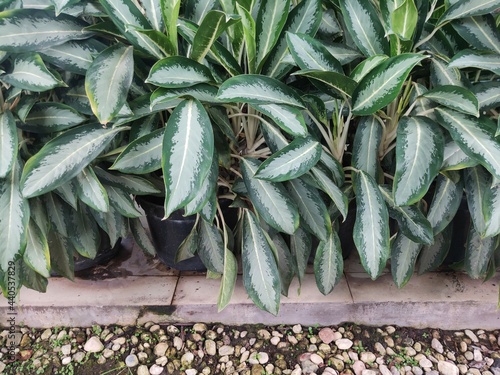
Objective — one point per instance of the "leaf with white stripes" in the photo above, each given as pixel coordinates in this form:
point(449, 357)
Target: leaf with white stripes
point(131, 184)
point(257, 89)
point(364, 27)
point(142, 155)
point(443, 74)
point(366, 66)
point(178, 71)
point(23, 30)
point(90, 190)
point(445, 203)
point(382, 84)
point(36, 255)
point(366, 145)
point(188, 148)
point(491, 210)
point(203, 92)
point(153, 14)
point(122, 202)
point(61, 255)
point(207, 190)
point(271, 200)
point(411, 221)
point(312, 210)
point(455, 97)
point(327, 184)
point(476, 59)
point(30, 73)
point(211, 247)
point(339, 82)
point(328, 264)
point(290, 162)
point(108, 80)
point(228, 280)
point(487, 94)
point(260, 272)
point(404, 20)
point(474, 136)
point(84, 234)
point(432, 256)
point(288, 118)
point(455, 159)
point(477, 182)
point(64, 157)
point(468, 8)
point(404, 255)
point(51, 117)
point(14, 216)
point(371, 228)
point(419, 156)
point(478, 252)
point(8, 142)
point(286, 263)
point(479, 31)
point(56, 208)
point(141, 236)
point(301, 248)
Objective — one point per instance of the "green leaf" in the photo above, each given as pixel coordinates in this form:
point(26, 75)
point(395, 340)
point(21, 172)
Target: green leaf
point(178, 71)
point(187, 249)
point(419, 156)
point(290, 162)
point(367, 140)
point(90, 190)
point(84, 234)
point(30, 73)
point(476, 185)
point(286, 263)
point(455, 159)
point(404, 255)
point(257, 89)
point(131, 184)
point(122, 202)
point(474, 136)
point(309, 53)
point(383, 84)
point(207, 189)
point(271, 18)
point(301, 247)
point(260, 272)
point(153, 14)
point(364, 27)
point(8, 143)
point(127, 16)
point(343, 53)
point(211, 247)
point(56, 216)
point(270, 199)
point(14, 217)
point(468, 8)
point(32, 279)
point(432, 256)
point(195, 10)
point(445, 203)
point(288, 118)
point(478, 252)
point(142, 155)
point(411, 221)
point(160, 41)
point(455, 97)
point(273, 136)
point(312, 210)
point(339, 82)
point(61, 255)
point(170, 12)
point(442, 74)
point(64, 157)
point(371, 228)
point(476, 59)
point(203, 92)
point(487, 94)
point(228, 281)
point(141, 237)
point(366, 66)
point(68, 193)
point(404, 19)
point(51, 117)
point(188, 146)
point(479, 31)
point(491, 210)
point(112, 222)
point(328, 264)
point(25, 30)
point(108, 80)
point(327, 184)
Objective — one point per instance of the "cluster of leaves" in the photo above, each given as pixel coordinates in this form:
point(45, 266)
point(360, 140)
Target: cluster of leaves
point(290, 109)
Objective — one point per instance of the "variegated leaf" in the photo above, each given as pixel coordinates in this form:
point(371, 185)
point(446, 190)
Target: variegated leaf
point(8, 143)
point(476, 59)
point(343, 53)
point(367, 140)
point(211, 247)
point(301, 248)
point(112, 222)
point(122, 202)
point(90, 190)
point(188, 148)
point(187, 249)
point(371, 228)
point(207, 190)
point(432, 256)
point(56, 212)
point(288, 118)
point(327, 184)
point(84, 234)
point(195, 10)
point(442, 74)
point(474, 136)
point(61, 255)
point(178, 71)
point(455, 97)
point(108, 80)
point(487, 94)
point(476, 184)
point(274, 137)
point(491, 210)
point(286, 263)
point(328, 264)
point(454, 158)
point(203, 92)
point(404, 19)
point(419, 156)
point(131, 184)
point(64, 157)
point(367, 65)
point(260, 272)
point(445, 203)
point(468, 8)
point(404, 255)
point(141, 237)
point(153, 14)
point(478, 252)
point(337, 81)
point(479, 31)
point(228, 281)
point(51, 117)
point(142, 155)
point(270, 199)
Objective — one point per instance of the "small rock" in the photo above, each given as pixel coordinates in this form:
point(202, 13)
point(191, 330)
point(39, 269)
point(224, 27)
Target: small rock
point(93, 345)
point(257, 369)
point(478, 357)
point(316, 359)
point(117, 347)
point(263, 334)
point(367, 357)
point(108, 353)
point(191, 371)
point(344, 344)
point(187, 359)
point(358, 367)
point(200, 327)
point(417, 347)
point(131, 360)
point(154, 328)
point(469, 355)
point(437, 346)
point(369, 372)
point(210, 347)
point(46, 334)
point(389, 341)
point(66, 349)
point(155, 370)
point(160, 349)
point(297, 328)
point(78, 357)
point(410, 352)
point(471, 335)
point(425, 363)
point(120, 341)
point(326, 335)
point(275, 340)
point(447, 368)
point(379, 348)
point(337, 364)
point(142, 370)
point(462, 368)
point(66, 360)
point(178, 343)
point(142, 357)
point(390, 330)
point(463, 346)
point(173, 330)
point(226, 350)
point(162, 361)
point(384, 370)
point(308, 367)
point(417, 370)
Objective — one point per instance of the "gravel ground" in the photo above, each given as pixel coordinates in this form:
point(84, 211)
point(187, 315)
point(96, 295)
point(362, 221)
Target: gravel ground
point(251, 350)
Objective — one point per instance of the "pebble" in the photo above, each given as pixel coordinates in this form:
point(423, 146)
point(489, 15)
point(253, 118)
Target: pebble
point(154, 328)
point(187, 359)
point(275, 340)
point(210, 347)
point(66, 360)
point(343, 344)
point(447, 368)
point(367, 357)
point(263, 334)
point(437, 346)
point(178, 343)
point(316, 359)
point(46, 334)
point(78, 357)
point(191, 371)
point(379, 348)
point(66, 349)
point(131, 360)
point(471, 335)
point(358, 367)
point(108, 353)
point(327, 335)
point(226, 350)
point(297, 328)
point(93, 345)
point(425, 363)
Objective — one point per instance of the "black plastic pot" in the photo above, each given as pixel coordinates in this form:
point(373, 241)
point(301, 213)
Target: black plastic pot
point(461, 223)
point(105, 253)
